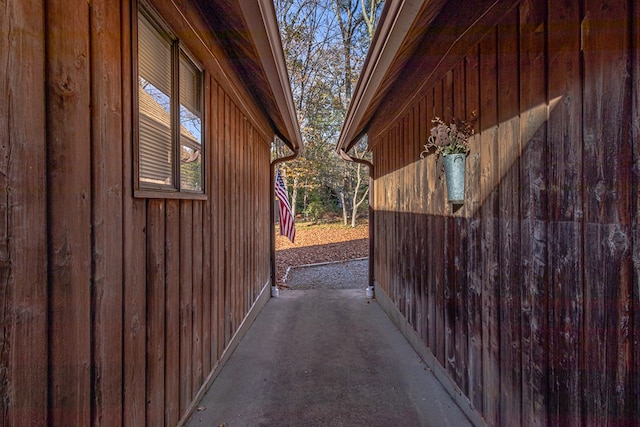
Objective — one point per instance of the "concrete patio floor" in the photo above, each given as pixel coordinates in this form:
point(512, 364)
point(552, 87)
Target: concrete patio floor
point(325, 357)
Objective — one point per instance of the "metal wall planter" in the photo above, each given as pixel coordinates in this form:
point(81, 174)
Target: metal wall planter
point(454, 170)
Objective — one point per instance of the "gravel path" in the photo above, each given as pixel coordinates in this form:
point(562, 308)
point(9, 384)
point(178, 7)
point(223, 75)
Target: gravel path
point(320, 244)
point(334, 275)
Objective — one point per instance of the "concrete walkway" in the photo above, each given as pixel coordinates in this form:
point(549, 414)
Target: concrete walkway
point(325, 357)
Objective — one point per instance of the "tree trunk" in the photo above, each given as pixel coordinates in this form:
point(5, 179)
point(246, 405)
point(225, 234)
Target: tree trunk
point(345, 194)
point(294, 196)
point(345, 213)
point(369, 15)
point(354, 212)
point(304, 202)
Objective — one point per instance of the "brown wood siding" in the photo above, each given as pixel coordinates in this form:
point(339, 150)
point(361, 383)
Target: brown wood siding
point(527, 295)
point(135, 249)
point(607, 209)
point(69, 203)
point(635, 207)
point(534, 207)
point(116, 310)
point(23, 211)
point(107, 272)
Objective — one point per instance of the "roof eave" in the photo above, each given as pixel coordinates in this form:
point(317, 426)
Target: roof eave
point(263, 26)
point(395, 22)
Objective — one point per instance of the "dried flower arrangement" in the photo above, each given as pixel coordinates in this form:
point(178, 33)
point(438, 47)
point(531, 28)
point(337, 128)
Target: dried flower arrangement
point(450, 138)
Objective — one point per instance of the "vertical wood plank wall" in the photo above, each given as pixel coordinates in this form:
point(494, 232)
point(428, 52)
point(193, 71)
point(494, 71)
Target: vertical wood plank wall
point(23, 215)
point(528, 295)
point(114, 309)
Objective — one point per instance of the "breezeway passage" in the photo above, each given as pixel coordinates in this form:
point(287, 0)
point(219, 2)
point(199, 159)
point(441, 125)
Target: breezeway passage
point(325, 357)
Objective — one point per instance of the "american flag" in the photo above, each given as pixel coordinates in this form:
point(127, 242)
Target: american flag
point(287, 222)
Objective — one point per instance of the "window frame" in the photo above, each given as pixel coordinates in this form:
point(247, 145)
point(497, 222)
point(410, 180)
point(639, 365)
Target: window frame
point(178, 51)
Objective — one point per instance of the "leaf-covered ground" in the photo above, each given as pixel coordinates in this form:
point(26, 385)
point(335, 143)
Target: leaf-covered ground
point(320, 243)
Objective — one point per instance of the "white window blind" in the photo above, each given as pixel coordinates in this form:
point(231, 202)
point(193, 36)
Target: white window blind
point(190, 86)
point(154, 104)
point(154, 56)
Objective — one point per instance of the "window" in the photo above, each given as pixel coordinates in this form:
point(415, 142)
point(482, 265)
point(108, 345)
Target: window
point(170, 121)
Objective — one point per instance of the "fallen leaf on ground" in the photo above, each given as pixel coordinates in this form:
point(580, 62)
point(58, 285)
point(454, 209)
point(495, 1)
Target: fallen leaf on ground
point(321, 243)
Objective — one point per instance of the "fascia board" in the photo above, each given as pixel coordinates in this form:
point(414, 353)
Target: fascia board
point(261, 20)
point(394, 24)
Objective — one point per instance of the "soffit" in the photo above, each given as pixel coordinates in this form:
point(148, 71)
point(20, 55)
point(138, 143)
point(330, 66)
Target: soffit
point(397, 72)
point(400, 30)
point(247, 32)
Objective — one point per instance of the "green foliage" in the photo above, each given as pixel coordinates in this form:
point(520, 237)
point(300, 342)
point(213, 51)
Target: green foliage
point(315, 211)
point(191, 176)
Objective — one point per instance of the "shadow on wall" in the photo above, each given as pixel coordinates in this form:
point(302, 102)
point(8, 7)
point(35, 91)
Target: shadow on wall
point(506, 289)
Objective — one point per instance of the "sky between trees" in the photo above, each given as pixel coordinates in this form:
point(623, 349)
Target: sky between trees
point(325, 43)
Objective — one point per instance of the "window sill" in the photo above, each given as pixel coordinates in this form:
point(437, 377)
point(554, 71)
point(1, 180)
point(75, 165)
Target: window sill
point(160, 194)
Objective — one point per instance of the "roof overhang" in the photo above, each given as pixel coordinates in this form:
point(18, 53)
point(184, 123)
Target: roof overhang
point(393, 41)
point(262, 25)
point(248, 35)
